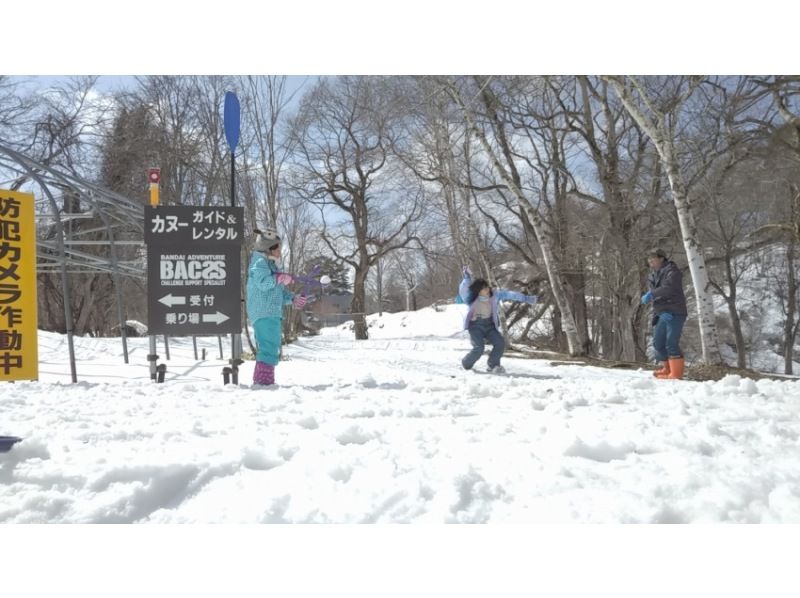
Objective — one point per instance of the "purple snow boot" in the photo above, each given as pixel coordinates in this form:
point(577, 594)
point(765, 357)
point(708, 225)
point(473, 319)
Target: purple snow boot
point(263, 374)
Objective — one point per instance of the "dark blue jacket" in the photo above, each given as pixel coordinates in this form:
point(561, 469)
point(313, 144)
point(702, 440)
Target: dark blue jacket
point(666, 285)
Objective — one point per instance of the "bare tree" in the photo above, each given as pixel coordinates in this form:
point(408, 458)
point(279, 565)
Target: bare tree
point(728, 214)
point(172, 101)
point(267, 102)
point(408, 270)
point(785, 94)
point(503, 158)
point(209, 179)
point(439, 152)
point(343, 132)
point(791, 322)
point(67, 130)
point(785, 130)
point(66, 125)
point(626, 187)
point(17, 111)
point(657, 112)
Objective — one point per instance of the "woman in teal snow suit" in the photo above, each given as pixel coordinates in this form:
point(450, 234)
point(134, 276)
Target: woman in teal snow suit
point(266, 296)
point(483, 321)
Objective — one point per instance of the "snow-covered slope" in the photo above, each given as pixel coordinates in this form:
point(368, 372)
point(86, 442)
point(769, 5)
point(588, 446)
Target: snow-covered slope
point(390, 430)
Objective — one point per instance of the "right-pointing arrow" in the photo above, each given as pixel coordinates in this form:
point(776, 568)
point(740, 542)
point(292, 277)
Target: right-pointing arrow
point(170, 300)
point(218, 317)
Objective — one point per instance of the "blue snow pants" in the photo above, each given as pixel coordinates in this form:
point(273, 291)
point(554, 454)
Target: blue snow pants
point(666, 336)
point(480, 331)
point(268, 338)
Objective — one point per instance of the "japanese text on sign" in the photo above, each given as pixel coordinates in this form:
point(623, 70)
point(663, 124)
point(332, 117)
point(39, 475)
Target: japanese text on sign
point(213, 225)
point(18, 318)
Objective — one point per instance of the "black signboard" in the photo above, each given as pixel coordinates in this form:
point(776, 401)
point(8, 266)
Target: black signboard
point(193, 270)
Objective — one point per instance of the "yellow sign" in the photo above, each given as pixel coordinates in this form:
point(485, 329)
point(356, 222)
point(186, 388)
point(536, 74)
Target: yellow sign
point(19, 358)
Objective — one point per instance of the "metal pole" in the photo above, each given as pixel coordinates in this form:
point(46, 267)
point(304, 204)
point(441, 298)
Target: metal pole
point(194, 344)
point(120, 315)
point(166, 346)
point(156, 371)
point(67, 307)
point(232, 126)
point(115, 280)
point(233, 180)
point(236, 349)
point(152, 357)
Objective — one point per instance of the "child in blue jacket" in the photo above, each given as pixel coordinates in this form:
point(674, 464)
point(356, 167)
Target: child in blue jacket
point(482, 320)
point(266, 297)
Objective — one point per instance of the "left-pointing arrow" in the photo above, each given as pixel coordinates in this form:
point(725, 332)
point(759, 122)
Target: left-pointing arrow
point(218, 317)
point(170, 300)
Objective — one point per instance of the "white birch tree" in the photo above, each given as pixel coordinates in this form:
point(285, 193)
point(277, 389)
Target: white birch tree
point(659, 118)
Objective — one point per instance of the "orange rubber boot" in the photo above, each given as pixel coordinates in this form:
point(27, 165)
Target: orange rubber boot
point(663, 372)
point(676, 368)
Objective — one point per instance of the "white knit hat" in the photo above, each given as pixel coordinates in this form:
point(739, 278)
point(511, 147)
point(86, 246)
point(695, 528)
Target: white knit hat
point(267, 239)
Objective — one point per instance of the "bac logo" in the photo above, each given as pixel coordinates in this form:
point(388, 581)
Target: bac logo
point(192, 269)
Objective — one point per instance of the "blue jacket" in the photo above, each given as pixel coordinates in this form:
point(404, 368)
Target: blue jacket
point(265, 297)
point(499, 295)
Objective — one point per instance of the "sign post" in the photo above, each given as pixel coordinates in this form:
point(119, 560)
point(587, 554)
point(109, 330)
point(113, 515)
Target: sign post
point(193, 270)
point(232, 125)
point(19, 355)
point(154, 177)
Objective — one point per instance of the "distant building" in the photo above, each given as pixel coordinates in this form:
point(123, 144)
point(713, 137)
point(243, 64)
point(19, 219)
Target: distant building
point(330, 310)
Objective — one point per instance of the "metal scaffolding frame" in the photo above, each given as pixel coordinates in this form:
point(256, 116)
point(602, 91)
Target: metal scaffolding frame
point(62, 254)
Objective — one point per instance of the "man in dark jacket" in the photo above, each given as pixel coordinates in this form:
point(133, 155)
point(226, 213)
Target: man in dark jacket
point(665, 284)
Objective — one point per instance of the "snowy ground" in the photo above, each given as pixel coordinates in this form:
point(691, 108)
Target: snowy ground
point(391, 430)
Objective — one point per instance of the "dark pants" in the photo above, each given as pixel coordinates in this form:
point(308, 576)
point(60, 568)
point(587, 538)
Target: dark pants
point(666, 336)
point(481, 331)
